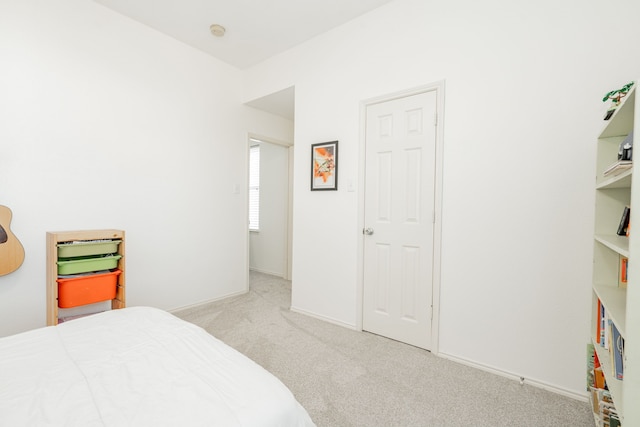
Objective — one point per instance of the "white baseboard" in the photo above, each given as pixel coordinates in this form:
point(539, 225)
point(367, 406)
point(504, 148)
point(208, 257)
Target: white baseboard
point(540, 384)
point(324, 318)
point(185, 307)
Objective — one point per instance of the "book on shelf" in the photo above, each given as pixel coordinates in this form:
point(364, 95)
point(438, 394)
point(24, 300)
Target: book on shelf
point(598, 324)
point(608, 413)
point(595, 376)
point(628, 227)
point(598, 378)
point(624, 265)
point(606, 327)
point(617, 352)
point(603, 407)
point(591, 356)
point(593, 397)
point(624, 222)
point(591, 360)
point(614, 421)
point(618, 167)
point(602, 318)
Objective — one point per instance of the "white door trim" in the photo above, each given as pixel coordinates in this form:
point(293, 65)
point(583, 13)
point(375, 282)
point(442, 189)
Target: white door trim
point(288, 255)
point(438, 87)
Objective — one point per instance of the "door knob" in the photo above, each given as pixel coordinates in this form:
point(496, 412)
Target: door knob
point(368, 231)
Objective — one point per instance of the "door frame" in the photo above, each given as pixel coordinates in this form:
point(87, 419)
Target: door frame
point(288, 255)
point(438, 87)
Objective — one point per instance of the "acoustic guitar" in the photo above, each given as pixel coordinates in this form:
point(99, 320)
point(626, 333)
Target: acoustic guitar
point(11, 250)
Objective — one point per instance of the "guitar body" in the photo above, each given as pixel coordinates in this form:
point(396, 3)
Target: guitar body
point(11, 250)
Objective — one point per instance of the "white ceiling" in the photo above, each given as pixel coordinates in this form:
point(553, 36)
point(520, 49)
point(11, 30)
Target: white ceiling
point(255, 29)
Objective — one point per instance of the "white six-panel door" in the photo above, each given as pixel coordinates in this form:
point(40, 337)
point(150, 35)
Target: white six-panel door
point(399, 218)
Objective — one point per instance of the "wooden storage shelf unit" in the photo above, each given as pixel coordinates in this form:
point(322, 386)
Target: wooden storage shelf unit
point(621, 300)
point(55, 238)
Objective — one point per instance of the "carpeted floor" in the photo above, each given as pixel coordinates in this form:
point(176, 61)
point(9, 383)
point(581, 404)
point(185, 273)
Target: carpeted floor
point(348, 378)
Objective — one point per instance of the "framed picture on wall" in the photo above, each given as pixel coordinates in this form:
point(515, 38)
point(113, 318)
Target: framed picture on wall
point(324, 166)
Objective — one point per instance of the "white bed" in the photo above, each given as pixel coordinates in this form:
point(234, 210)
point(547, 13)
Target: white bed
point(136, 367)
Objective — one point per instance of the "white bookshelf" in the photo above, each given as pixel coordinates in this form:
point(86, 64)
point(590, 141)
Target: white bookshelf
point(622, 302)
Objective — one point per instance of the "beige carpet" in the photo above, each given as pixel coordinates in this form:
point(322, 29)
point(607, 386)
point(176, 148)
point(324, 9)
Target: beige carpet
point(347, 378)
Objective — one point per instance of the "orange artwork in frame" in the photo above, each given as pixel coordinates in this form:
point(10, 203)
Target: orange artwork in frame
point(324, 166)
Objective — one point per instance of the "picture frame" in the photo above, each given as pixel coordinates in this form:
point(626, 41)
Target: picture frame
point(324, 166)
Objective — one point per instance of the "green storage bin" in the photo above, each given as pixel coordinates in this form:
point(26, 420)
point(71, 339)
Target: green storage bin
point(87, 248)
point(86, 264)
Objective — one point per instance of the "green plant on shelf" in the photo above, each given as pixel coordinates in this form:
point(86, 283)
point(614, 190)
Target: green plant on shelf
point(617, 95)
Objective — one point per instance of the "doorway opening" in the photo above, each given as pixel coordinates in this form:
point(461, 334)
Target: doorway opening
point(269, 207)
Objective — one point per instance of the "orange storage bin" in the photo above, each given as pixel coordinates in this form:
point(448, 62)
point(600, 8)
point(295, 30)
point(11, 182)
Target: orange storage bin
point(81, 290)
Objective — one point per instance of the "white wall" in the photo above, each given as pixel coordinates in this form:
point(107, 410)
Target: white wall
point(522, 110)
point(105, 123)
point(268, 247)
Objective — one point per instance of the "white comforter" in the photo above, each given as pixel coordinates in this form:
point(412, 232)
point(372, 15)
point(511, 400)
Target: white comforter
point(136, 367)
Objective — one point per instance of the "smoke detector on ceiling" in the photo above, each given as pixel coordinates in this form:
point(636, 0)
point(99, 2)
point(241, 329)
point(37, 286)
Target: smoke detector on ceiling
point(217, 30)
